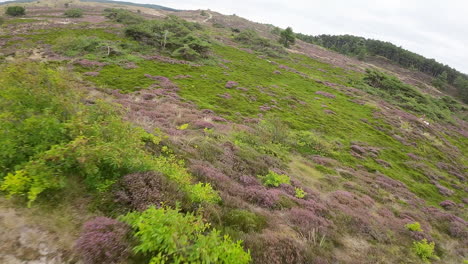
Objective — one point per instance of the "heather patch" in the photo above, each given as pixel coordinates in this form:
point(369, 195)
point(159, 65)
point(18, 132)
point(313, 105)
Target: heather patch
point(104, 240)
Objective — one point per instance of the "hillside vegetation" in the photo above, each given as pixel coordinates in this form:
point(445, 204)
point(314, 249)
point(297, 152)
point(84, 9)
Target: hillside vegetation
point(171, 138)
point(362, 47)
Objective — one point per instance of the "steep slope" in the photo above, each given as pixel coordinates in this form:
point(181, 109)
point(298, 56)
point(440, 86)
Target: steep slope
point(301, 153)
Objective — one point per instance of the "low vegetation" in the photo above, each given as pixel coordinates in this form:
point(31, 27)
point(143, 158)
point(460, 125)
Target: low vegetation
point(424, 250)
point(181, 238)
point(362, 47)
point(203, 144)
point(73, 13)
point(410, 98)
point(251, 40)
point(15, 11)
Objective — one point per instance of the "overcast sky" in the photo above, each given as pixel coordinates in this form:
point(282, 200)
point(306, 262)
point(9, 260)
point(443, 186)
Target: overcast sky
point(433, 28)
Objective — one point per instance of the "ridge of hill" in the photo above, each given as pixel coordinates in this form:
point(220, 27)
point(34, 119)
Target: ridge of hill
point(132, 4)
point(443, 75)
point(146, 136)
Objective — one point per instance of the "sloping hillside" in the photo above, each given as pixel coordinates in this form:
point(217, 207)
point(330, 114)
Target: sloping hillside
point(154, 136)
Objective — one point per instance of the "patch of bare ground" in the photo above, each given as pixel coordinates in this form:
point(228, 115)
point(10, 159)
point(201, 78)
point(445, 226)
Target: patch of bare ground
point(328, 56)
point(39, 235)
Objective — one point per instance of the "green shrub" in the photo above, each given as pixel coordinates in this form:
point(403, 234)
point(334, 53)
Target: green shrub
point(49, 136)
point(171, 35)
point(91, 45)
point(300, 193)
point(73, 13)
point(406, 96)
point(244, 220)
point(271, 137)
point(415, 226)
point(123, 16)
point(287, 37)
point(2, 20)
point(169, 236)
point(285, 202)
point(252, 40)
point(308, 142)
point(424, 250)
point(72, 46)
point(15, 11)
point(273, 179)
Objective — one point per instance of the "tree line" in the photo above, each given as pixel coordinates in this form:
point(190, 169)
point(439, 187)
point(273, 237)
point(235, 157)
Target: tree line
point(362, 47)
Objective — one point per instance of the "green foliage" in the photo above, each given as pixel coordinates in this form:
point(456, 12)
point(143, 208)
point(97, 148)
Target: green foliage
point(72, 46)
point(309, 131)
point(49, 136)
point(251, 39)
point(287, 37)
point(308, 142)
point(271, 137)
point(183, 126)
point(407, 96)
point(440, 81)
point(299, 193)
point(15, 11)
point(273, 179)
point(276, 31)
point(123, 16)
point(362, 47)
point(415, 226)
point(462, 85)
point(2, 20)
point(172, 35)
point(82, 45)
point(424, 250)
point(244, 220)
point(74, 13)
point(169, 236)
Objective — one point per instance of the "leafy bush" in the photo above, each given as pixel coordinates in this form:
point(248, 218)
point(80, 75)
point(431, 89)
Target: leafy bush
point(15, 11)
point(83, 45)
point(424, 249)
point(104, 240)
point(415, 227)
point(73, 13)
point(406, 96)
point(270, 137)
point(308, 142)
point(300, 193)
point(273, 179)
point(287, 37)
point(72, 46)
point(48, 136)
point(169, 236)
point(252, 40)
point(172, 35)
point(123, 16)
point(244, 220)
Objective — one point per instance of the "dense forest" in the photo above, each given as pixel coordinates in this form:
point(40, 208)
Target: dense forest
point(362, 47)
